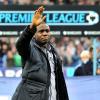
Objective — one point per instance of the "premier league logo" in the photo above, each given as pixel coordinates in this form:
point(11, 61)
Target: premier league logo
point(53, 18)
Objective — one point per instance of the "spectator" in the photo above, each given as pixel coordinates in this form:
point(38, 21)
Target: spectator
point(0, 48)
point(4, 49)
point(91, 53)
point(97, 2)
point(86, 67)
point(24, 2)
point(85, 2)
point(1, 2)
point(1, 53)
point(10, 59)
point(17, 60)
point(16, 56)
point(60, 2)
point(15, 2)
point(47, 2)
point(36, 2)
point(69, 1)
point(52, 2)
point(7, 2)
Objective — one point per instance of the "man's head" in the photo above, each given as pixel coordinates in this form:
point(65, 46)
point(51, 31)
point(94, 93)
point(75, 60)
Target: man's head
point(85, 56)
point(42, 34)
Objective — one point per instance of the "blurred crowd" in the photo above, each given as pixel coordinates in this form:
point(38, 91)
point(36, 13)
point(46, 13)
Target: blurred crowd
point(49, 2)
point(8, 54)
point(69, 49)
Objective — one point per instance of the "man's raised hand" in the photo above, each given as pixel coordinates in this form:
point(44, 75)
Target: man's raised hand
point(38, 18)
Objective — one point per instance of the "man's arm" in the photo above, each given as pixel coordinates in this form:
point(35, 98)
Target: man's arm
point(23, 42)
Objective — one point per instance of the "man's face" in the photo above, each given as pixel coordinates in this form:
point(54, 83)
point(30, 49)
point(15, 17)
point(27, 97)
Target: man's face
point(43, 33)
point(85, 59)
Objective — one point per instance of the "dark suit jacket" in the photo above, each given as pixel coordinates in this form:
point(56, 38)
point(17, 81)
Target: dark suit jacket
point(36, 71)
point(84, 69)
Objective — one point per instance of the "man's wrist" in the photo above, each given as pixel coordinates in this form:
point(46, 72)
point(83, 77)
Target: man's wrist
point(31, 29)
point(32, 26)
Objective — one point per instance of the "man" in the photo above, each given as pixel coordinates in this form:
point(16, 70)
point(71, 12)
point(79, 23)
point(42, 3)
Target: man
point(42, 76)
point(86, 67)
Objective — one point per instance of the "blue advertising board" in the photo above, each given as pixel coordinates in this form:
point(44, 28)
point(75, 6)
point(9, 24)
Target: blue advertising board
point(69, 20)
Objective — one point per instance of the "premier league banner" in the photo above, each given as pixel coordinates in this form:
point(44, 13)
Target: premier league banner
point(63, 20)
